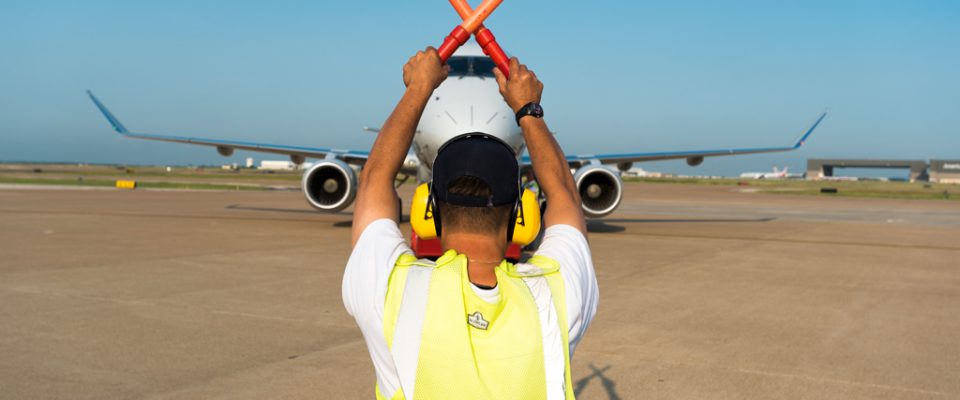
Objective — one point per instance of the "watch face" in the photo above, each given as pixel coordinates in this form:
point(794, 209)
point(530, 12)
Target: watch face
point(537, 110)
point(531, 109)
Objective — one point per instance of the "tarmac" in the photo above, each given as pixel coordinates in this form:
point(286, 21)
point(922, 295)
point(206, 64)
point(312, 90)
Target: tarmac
point(706, 293)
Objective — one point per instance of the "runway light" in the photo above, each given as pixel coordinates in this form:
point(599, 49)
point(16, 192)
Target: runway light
point(126, 184)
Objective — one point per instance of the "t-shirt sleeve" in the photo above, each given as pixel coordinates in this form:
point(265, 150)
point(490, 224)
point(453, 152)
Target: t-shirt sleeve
point(367, 274)
point(567, 246)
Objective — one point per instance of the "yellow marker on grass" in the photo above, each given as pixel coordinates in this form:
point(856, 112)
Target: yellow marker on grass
point(126, 184)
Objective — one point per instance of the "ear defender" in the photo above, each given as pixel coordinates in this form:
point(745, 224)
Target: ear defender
point(423, 216)
point(522, 229)
point(525, 227)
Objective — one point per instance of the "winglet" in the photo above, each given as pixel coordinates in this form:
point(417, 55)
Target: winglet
point(803, 138)
point(106, 113)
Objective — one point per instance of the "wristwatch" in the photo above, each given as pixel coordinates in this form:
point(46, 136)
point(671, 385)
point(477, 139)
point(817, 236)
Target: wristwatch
point(531, 109)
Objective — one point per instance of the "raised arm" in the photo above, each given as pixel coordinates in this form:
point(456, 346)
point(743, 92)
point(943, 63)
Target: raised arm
point(376, 196)
point(549, 164)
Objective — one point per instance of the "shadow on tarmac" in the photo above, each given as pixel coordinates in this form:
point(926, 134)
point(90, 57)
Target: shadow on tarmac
point(339, 224)
point(606, 225)
point(269, 209)
point(608, 384)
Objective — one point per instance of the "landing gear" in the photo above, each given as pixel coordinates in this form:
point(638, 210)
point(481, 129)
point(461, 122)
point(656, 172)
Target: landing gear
point(399, 210)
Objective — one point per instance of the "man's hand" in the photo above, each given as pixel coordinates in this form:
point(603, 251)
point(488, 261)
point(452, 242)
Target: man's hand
point(424, 70)
point(549, 164)
point(523, 86)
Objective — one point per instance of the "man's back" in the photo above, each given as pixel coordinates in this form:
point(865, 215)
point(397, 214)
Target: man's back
point(468, 332)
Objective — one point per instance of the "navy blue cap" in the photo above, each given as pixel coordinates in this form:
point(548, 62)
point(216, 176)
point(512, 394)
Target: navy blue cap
point(481, 156)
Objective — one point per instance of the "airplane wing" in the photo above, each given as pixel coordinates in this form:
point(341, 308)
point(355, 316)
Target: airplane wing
point(693, 157)
point(226, 147)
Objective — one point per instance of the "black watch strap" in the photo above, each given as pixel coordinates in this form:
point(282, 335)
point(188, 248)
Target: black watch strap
point(530, 109)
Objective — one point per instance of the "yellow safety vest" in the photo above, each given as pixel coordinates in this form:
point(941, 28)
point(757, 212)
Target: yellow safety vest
point(448, 343)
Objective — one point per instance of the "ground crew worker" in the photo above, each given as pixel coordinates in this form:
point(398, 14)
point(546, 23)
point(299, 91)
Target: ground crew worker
point(470, 325)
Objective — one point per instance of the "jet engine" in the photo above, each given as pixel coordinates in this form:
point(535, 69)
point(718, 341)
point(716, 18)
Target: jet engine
point(330, 185)
point(600, 189)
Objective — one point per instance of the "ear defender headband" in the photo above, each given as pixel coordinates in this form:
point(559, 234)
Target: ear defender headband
point(522, 229)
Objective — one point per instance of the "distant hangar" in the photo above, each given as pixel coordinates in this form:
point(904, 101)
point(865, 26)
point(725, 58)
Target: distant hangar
point(938, 171)
point(945, 171)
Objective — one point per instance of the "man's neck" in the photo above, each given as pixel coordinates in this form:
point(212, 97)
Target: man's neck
point(483, 252)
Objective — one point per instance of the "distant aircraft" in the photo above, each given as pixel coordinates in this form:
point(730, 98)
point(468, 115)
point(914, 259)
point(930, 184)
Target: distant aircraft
point(776, 174)
point(468, 101)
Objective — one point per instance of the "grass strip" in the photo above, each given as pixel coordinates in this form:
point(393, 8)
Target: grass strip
point(146, 185)
point(870, 189)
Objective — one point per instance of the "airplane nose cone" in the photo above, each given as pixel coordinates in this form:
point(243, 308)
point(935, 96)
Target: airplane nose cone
point(465, 105)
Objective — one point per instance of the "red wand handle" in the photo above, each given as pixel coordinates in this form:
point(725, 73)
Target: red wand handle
point(452, 42)
point(490, 47)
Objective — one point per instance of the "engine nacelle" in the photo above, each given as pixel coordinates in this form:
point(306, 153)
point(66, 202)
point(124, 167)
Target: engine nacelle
point(330, 185)
point(600, 190)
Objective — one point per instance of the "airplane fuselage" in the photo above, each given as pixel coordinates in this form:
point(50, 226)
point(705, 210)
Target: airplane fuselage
point(468, 101)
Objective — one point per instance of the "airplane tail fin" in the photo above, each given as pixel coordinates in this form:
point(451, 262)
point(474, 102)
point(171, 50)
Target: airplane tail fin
point(117, 126)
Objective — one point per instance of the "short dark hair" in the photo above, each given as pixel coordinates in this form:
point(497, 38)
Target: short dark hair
point(482, 220)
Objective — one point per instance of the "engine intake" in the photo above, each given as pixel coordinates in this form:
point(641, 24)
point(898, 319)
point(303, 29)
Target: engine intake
point(330, 185)
point(600, 190)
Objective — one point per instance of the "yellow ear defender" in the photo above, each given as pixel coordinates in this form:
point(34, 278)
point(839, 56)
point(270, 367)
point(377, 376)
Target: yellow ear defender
point(523, 228)
point(423, 219)
point(526, 226)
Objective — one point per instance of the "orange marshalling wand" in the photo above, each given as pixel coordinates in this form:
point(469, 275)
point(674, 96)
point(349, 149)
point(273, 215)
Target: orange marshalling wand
point(472, 23)
point(485, 38)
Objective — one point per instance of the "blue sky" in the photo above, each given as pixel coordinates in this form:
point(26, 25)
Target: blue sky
point(619, 76)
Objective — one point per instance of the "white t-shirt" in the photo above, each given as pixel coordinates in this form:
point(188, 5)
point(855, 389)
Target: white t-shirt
point(381, 244)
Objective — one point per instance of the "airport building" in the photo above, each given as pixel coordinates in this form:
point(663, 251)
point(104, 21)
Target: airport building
point(945, 171)
point(824, 169)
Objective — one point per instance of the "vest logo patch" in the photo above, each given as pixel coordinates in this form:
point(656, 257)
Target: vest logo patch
point(476, 320)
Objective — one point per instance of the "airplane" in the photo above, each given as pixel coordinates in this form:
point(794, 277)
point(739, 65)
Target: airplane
point(776, 174)
point(468, 101)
